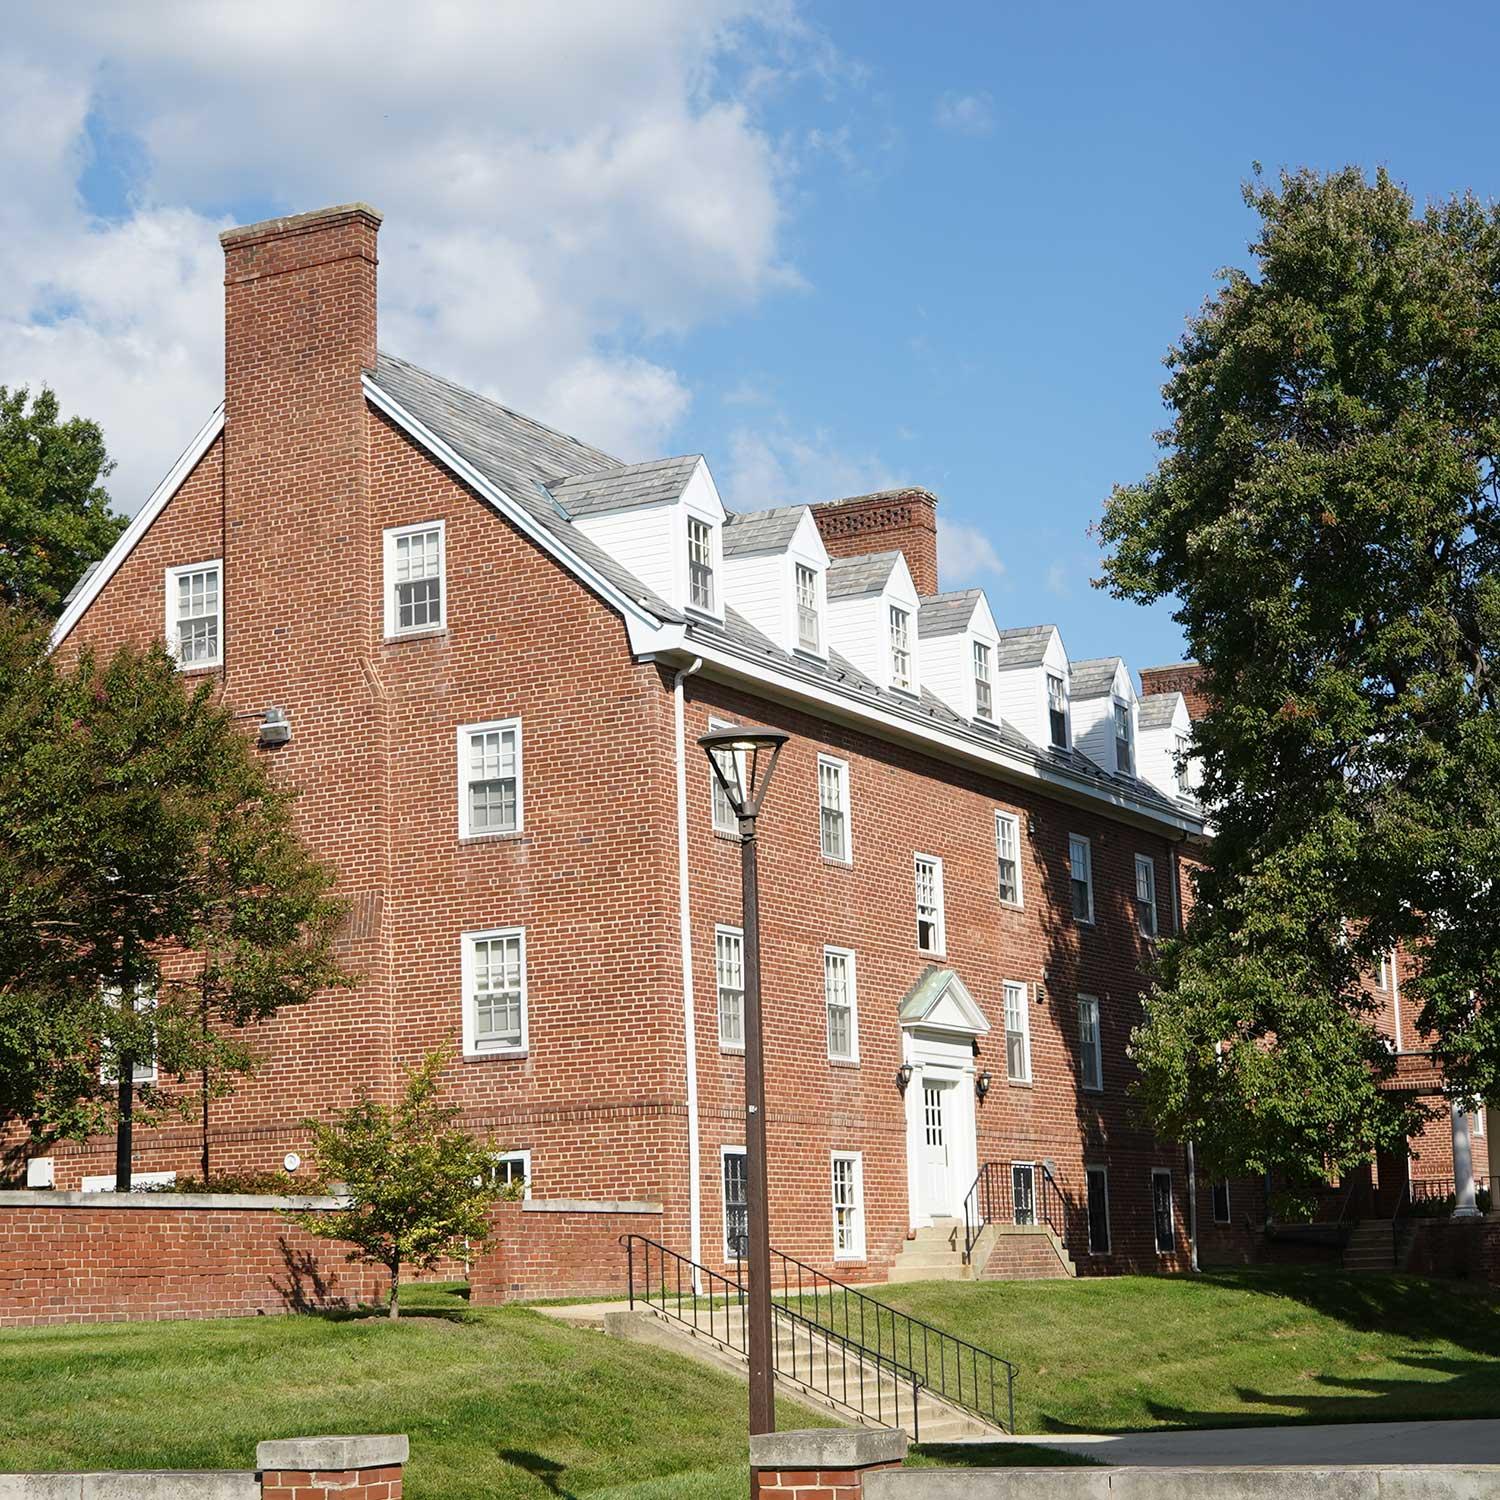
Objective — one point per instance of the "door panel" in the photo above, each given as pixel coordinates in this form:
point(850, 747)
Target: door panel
point(937, 1148)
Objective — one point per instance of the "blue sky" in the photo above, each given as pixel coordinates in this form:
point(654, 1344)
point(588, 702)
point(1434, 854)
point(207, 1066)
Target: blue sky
point(833, 246)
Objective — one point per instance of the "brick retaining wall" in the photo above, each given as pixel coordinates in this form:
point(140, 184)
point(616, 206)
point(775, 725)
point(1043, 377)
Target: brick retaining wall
point(99, 1258)
point(1468, 1249)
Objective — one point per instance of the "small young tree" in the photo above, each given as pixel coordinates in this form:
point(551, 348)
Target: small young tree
point(418, 1186)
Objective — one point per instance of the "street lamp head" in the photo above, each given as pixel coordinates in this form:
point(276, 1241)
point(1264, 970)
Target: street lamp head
point(743, 760)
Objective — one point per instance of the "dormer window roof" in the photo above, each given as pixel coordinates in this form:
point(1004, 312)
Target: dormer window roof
point(960, 648)
point(872, 618)
point(774, 569)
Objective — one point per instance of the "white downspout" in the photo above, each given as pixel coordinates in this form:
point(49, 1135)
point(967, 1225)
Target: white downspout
point(1192, 1172)
point(685, 935)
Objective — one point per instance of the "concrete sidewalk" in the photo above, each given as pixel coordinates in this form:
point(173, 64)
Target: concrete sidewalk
point(1474, 1442)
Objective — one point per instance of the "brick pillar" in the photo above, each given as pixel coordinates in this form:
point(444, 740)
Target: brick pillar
point(332, 1468)
point(823, 1463)
point(902, 521)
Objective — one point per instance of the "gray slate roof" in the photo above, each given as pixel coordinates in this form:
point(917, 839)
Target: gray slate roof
point(625, 486)
point(762, 530)
point(1093, 678)
point(867, 574)
point(947, 614)
point(1158, 710)
point(516, 453)
point(1023, 646)
point(83, 578)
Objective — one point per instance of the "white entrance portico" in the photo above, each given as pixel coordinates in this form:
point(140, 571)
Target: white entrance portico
point(939, 1023)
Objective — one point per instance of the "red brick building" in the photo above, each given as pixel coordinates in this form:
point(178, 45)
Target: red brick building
point(495, 648)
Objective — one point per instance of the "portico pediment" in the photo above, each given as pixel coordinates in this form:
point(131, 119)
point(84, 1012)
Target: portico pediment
point(940, 1001)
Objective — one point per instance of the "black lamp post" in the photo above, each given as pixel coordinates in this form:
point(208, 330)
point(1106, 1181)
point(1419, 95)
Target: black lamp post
point(743, 760)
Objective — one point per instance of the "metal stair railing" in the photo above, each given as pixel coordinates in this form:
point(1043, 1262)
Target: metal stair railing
point(950, 1368)
point(862, 1380)
point(991, 1200)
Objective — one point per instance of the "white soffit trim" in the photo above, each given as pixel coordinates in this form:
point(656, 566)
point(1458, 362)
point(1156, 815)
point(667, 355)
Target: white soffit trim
point(140, 524)
point(515, 514)
point(929, 737)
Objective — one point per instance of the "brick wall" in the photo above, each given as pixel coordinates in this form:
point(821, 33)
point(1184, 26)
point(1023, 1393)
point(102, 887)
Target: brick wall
point(146, 1260)
point(552, 1249)
point(1467, 1249)
point(1185, 677)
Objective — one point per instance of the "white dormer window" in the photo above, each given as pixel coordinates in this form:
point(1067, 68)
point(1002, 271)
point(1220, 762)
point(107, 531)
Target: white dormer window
point(808, 634)
point(415, 578)
point(984, 703)
point(1057, 710)
point(1124, 751)
point(1184, 771)
point(700, 564)
point(901, 676)
point(195, 615)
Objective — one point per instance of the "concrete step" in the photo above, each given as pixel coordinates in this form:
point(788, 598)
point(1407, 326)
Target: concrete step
point(902, 1272)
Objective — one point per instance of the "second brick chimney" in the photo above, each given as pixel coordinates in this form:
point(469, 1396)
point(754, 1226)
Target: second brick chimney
point(888, 521)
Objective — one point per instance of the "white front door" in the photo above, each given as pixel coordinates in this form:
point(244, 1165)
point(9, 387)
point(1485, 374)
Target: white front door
point(937, 1148)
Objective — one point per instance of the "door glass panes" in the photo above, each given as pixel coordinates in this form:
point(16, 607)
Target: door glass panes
point(932, 1115)
point(1023, 1192)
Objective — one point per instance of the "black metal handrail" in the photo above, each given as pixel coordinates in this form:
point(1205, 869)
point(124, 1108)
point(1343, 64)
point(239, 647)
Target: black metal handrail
point(861, 1379)
point(1438, 1189)
point(991, 1200)
point(951, 1368)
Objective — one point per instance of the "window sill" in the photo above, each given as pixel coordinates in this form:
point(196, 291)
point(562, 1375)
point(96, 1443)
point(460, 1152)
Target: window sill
point(728, 1050)
point(509, 835)
point(499, 1054)
point(431, 633)
point(199, 668)
point(844, 1062)
point(851, 1260)
point(932, 952)
point(1019, 1083)
point(1088, 1088)
point(728, 837)
point(1012, 905)
point(837, 863)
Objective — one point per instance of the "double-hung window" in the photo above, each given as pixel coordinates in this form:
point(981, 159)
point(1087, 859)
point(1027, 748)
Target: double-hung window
point(137, 1040)
point(1008, 857)
point(415, 578)
point(848, 1206)
point(1081, 877)
point(700, 564)
point(724, 819)
point(840, 1002)
point(1017, 1033)
point(901, 674)
point(984, 703)
point(833, 808)
point(1145, 895)
point(494, 977)
point(1124, 750)
point(489, 778)
point(195, 615)
point(809, 637)
point(1098, 1179)
point(736, 1202)
point(1090, 1044)
point(929, 883)
point(729, 980)
point(1221, 1201)
point(1057, 710)
point(1184, 769)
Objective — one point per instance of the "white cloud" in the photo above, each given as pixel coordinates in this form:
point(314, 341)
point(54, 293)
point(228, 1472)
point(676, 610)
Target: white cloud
point(777, 466)
point(966, 114)
point(966, 556)
point(1058, 581)
point(566, 189)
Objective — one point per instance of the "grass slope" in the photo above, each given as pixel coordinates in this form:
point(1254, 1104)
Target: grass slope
point(1229, 1348)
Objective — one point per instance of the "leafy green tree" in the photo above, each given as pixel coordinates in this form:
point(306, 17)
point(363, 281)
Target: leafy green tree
point(54, 512)
point(419, 1187)
point(155, 899)
point(1326, 517)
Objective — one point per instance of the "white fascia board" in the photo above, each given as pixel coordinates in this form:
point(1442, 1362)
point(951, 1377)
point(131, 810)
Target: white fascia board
point(139, 525)
point(769, 681)
point(634, 612)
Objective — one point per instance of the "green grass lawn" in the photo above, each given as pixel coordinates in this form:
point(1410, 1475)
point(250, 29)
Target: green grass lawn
point(1229, 1348)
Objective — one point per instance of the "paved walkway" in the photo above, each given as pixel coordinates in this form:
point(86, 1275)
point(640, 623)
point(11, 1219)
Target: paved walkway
point(1475, 1442)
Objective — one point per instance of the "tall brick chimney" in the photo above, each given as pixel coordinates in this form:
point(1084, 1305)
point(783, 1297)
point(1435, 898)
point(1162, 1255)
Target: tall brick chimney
point(888, 521)
point(302, 561)
point(1185, 677)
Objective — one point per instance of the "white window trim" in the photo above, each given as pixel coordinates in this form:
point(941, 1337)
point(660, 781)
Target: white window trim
point(976, 644)
point(1171, 1209)
point(1145, 861)
point(856, 1252)
point(169, 590)
point(468, 940)
point(139, 1182)
point(852, 1056)
point(1015, 822)
point(1092, 1088)
point(1006, 986)
point(909, 687)
point(820, 650)
point(724, 1151)
point(1213, 1206)
point(941, 948)
point(1116, 702)
point(138, 1075)
point(735, 1049)
point(847, 857)
point(524, 1157)
point(464, 731)
point(715, 610)
point(1067, 704)
point(1109, 1228)
point(1088, 845)
point(715, 792)
point(388, 547)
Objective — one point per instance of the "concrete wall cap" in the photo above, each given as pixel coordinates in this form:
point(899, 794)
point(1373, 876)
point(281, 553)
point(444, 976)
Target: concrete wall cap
point(46, 1198)
point(308, 1454)
point(159, 1484)
point(827, 1448)
point(587, 1206)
